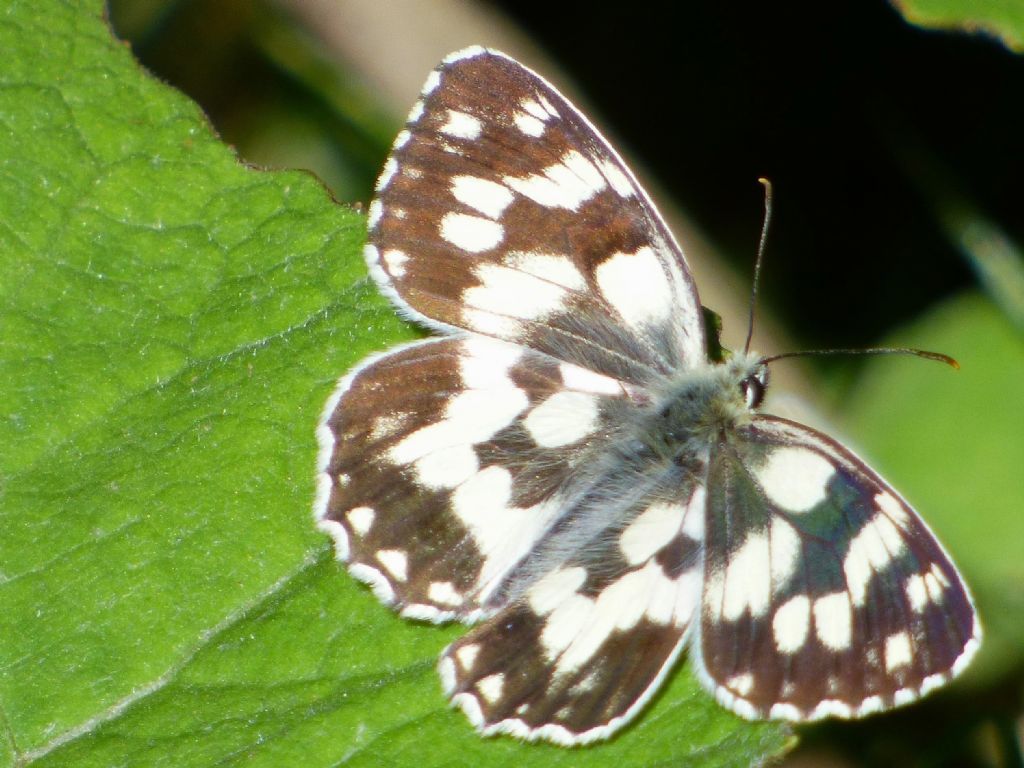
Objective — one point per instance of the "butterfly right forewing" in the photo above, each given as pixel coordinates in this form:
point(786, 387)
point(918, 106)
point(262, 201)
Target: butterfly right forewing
point(502, 211)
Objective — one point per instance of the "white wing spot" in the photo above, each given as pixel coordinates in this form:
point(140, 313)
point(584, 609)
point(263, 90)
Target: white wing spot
point(870, 551)
point(784, 711)
point(644, 593)
point(486, 363)
point(339, 537)
point(466, 53)
point(795, 478)
point(584, 380)
point(373, 214)
point(512, 293)
point(395, 562)
point(688, 586)
point(386, 174)
point(361, 519)
point(550, 267)
point(785, 553)
point(466, 656)
point(565, 418)
point(395, 261)
point(830, 708)
point(888, 504)
point(938, 575)
point(833, 620)
point(636, 286)
point(433, 80)
point(444, 593)
point(547, 105)
point(471, 233)
point(566, 184)
point(897, 651)
point(534, 108)
point(446, 669)
point(747, 586)
point(869, 705)
point(617, 180)
point(503, 534)
point(462, 126)
point(442, 452)
point(554, 589)
point(491, 687)
point(650, 531)
point(401, 139)
point(528, 124)
point(934, 587)
point(741, 684)
point(491, 324)
point(415, 113)
point(917, 592)
point(790, 624)
point(381, 587)
point(693, 518)
point(447, 467)
point(564, 624)
point(488, 197)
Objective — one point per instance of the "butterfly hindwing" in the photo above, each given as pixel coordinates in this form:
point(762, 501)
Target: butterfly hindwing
point(586, 645)
point(502, 211)
point(825, 593)
point(446, 459)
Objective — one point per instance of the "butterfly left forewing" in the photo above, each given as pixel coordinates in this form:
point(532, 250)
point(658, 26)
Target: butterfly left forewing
point(825, 593)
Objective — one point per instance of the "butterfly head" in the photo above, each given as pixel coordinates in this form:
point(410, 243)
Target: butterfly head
point(701, 406)
point(754, 381)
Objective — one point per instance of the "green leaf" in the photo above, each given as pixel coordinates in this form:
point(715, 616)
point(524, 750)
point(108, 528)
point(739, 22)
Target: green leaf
point(1003, 19)
point(171, 323)
point(953, 443)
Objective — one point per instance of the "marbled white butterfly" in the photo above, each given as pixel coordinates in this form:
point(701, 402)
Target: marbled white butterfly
point(565, 467)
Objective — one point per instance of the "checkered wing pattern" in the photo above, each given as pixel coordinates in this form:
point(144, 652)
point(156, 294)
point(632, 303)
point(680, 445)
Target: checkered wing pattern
point(587, 644)
point(825, 593)
point(565, 466)
point(502, 211)
point(447, 459)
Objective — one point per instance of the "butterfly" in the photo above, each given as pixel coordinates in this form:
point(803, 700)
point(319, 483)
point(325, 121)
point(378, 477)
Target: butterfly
point(566, 468)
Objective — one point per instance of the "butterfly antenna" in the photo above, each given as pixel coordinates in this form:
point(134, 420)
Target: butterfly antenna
point(937, 356)
point(760, 257)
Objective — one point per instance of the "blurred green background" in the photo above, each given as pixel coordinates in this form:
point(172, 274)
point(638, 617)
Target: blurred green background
point(897, 160)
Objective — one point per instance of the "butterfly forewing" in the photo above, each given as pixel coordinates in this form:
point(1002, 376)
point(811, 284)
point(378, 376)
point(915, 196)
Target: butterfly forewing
point(502, 211)
point(825, 593)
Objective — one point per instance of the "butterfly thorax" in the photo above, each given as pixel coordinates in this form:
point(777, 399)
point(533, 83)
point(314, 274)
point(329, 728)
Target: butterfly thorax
point(699, 407)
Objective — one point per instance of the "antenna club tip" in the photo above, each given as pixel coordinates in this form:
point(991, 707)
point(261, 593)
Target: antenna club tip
point(939, 357)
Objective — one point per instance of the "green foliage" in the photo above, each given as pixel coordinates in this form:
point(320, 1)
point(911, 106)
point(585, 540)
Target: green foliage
point(171, 323)
point(1003, 19)
point(953, 443)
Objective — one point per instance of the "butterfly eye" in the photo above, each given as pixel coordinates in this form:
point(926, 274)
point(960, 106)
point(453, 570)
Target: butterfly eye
point(752, 388)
